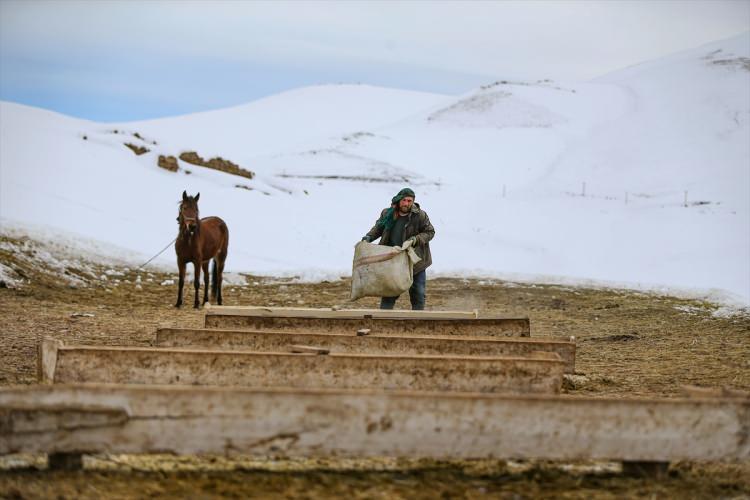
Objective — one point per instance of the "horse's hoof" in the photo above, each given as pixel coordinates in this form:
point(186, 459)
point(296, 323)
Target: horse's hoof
point(178, 305)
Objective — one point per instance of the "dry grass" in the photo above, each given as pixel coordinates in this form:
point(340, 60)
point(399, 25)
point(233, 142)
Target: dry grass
point(215, 477)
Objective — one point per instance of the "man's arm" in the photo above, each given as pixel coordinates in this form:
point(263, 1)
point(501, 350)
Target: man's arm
point(377, 230)
point(426, 231)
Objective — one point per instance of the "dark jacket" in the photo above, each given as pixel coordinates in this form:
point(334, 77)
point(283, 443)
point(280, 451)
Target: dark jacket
point(418, 225)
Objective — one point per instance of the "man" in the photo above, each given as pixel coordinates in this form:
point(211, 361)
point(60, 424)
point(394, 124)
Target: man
point(405, 222)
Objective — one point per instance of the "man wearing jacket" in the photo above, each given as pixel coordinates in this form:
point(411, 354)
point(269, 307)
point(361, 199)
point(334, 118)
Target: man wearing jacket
point(405, 222)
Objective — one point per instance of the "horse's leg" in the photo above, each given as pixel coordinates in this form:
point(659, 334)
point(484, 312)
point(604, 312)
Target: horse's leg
point(197, 265)
point(181, 282)
point(219, 277)
point(219, 262)
point(206, 275)
point(214, 280)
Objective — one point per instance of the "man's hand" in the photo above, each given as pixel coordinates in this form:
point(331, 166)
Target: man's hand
point(409, 243)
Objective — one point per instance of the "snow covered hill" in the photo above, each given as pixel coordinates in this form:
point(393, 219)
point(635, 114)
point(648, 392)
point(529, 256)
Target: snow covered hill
point(641, 177)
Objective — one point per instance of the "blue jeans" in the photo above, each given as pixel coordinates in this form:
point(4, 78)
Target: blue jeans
point(416, 294)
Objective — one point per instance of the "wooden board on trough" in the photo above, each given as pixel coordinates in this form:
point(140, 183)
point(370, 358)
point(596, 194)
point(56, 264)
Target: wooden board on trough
point(381, 322)
point(297, 422)
point(537, 373)
point(209, 338)
point(337, 313)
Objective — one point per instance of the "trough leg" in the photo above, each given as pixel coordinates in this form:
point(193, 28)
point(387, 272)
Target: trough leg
point(65, 461)
point(653, 470)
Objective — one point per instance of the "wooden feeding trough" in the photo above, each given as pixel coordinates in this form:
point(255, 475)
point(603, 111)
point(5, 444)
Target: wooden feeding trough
point(538, 373)
point(65, 421)
point(380, 322)
point(404, 345)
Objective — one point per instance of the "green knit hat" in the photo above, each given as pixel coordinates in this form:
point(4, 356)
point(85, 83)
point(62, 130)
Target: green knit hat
point(401, 195)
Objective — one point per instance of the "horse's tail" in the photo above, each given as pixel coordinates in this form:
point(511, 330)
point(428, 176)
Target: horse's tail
point(219, 260)
point(214, 280)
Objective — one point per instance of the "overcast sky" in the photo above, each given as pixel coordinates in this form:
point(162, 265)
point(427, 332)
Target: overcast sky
point(114, 60)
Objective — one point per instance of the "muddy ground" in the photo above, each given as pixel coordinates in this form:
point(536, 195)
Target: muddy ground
point(629, 344)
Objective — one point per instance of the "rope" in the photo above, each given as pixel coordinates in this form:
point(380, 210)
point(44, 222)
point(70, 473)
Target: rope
point(155, 256)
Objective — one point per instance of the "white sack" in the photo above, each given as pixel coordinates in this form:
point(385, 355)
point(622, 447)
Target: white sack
point(382, 271)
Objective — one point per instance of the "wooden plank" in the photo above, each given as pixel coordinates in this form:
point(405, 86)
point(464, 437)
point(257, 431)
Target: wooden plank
point(537, 373)
point(308, 349)
point(368, 344)
point(292, 422)
point(483, 326)
point(47, 359)
point(336, 313)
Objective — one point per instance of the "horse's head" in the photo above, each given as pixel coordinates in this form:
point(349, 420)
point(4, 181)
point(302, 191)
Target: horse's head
point(189, 216)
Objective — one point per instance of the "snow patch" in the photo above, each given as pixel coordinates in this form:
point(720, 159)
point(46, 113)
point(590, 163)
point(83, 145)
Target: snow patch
point(9, 278)
point(496, 109)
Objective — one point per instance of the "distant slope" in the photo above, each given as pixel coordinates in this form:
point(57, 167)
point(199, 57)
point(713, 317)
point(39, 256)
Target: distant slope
point(687, 128)
point(300, 119)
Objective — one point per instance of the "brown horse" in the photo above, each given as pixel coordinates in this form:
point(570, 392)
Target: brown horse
point(199, 241)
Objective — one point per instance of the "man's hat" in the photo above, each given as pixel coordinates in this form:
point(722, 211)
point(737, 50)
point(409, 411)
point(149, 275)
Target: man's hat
point(401, 195)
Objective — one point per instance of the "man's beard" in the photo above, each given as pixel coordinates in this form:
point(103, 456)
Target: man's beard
point(403, 210)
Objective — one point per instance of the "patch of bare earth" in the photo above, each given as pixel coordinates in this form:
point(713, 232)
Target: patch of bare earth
point(217, 163)
point(138, 150)
point(629, 344)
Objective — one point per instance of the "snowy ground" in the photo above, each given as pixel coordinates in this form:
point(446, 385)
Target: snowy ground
point(640, 178)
